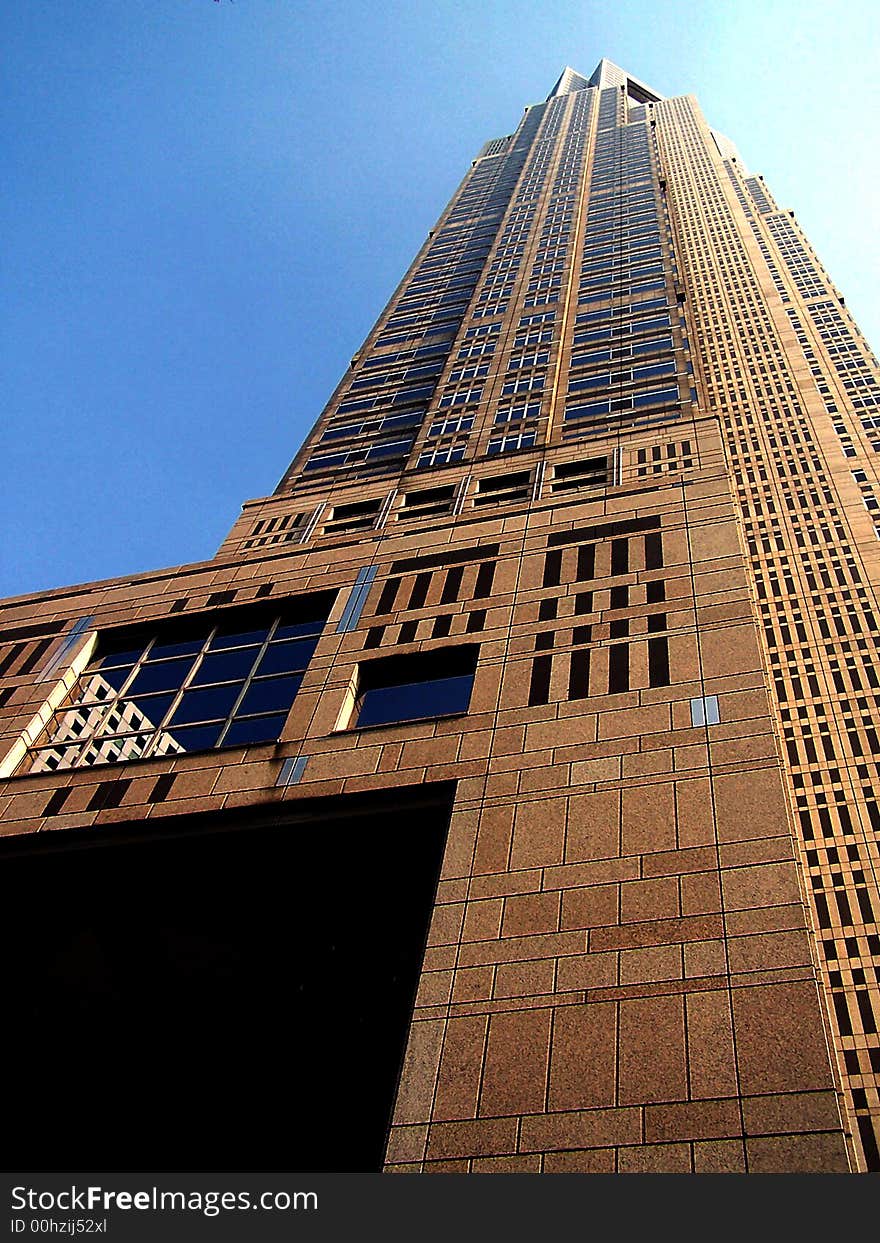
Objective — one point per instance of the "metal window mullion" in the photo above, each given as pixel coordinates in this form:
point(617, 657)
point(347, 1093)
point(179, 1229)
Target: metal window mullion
point(246, 685)
point(538, 482)
point(312, 522)
point(108, 704)
point(385, 509)
point(178, 694)
point(460, 496)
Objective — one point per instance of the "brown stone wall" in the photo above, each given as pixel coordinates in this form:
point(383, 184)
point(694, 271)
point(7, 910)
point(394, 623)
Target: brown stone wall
point(618, 974)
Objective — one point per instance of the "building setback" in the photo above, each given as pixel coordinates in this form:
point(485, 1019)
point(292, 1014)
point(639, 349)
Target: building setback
point(502, 796)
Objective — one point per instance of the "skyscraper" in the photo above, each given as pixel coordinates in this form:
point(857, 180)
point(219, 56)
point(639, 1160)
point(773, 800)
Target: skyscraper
point(509, 777)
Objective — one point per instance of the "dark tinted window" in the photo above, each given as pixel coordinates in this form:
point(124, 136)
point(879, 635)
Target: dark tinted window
point(417, 686)
point(213, 681)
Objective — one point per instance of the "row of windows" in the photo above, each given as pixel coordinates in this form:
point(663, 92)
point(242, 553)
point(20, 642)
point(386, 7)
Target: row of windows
point(205, 683)
point(621, 316)
point(622, 242)
point(621, 291)
point(618, 379)
point(380, 426)
point(453, 424)
point(647, 345)
point(622, 328)
point(665, 400)
point(413, 354)
point(407, 397)
point(384, 451)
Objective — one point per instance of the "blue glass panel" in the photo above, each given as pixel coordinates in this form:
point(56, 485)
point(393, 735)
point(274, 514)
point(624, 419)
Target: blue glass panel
point(656, 397)
point(342, 433)
point(164, 675)
point(225, 666)
point(199, 738)
point(206, 705)
point(269, 695)
point(415, 700)
point(102, 685)
point(293, 630)
point(227, 636)
point(182, 647)
point(398, 449)
point(153, 707)
point(401, 420)
point(324, 463)
point(112, 659)
point(254, 729)
point(286, 657)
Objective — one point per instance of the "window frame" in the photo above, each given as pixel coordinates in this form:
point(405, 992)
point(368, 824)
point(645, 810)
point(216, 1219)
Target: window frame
point(384, 673)
point(99, 746)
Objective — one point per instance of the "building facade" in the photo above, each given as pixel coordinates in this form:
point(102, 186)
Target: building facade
point(503, 795)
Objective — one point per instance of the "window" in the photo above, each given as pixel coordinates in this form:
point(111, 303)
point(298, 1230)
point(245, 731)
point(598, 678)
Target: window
point(451, 425)
point(590, 473)
point(516, 414)
point(413, 687)
point(462, 396)
point(442, 455)
point(523, 439)
point(426, 501)
point(500, 488)
point(357, 516)
point(187, 686)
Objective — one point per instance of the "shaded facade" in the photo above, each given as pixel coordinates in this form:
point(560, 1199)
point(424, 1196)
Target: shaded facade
point(551, 663)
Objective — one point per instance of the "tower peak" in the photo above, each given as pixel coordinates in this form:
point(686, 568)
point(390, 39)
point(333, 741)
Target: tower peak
point(604, 75)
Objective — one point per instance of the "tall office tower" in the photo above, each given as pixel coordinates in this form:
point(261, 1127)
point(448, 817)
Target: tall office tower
point(509, 777)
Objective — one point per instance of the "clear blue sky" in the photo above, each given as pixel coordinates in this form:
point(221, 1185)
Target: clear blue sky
point(206, 205)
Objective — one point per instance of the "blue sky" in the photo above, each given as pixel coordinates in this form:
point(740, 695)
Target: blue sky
point(207, 204)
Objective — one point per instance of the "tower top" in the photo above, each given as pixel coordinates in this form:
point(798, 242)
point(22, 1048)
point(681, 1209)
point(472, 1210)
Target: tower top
point(605, 74)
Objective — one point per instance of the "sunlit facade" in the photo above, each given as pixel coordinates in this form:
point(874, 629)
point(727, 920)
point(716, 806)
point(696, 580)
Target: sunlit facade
point(560, 634)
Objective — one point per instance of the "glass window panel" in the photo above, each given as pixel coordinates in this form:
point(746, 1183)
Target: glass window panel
point(165, 675)
point(88, 690)
point(114, 750)
point(286, 657)
point(415, 700)
point(99, 687)
point(206, 705)
point(195, 738)
point(390, 450)
point(111, 659)
point(269, 695)
point(48, 759)
point(78, 721)
point(293, 630)
point(152, 709)
point(239, 638)
point(97, 725)
point(254, 729)
point(225, 666)
point(182, 647)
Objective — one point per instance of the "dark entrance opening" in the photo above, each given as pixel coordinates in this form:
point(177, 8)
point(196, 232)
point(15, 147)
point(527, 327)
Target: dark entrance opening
point(226, 992)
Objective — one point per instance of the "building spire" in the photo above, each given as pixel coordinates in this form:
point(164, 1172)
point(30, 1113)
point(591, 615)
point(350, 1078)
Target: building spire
point(569, 80)
point(604, 75)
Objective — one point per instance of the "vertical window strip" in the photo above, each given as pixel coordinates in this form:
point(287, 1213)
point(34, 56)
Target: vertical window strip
point(357, 599)
point(70, 640)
